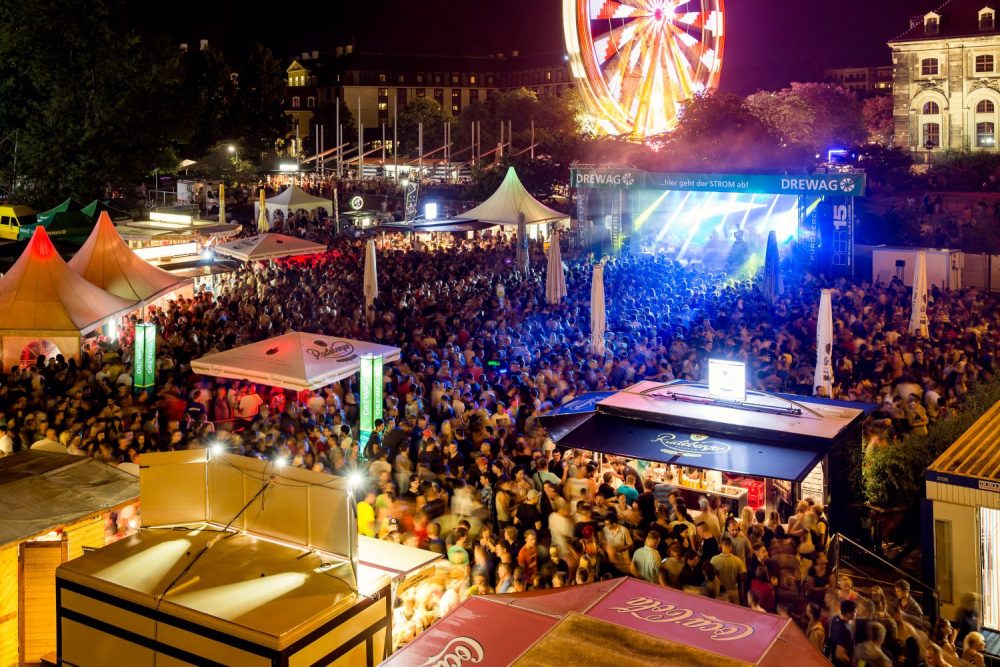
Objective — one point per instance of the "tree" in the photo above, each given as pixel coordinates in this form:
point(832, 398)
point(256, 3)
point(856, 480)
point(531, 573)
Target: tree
point(208, 91)
point(837, 119)
point(426, 111)
point(258, 109)
point(95, 102)
point(788, 117)
point(877, 112)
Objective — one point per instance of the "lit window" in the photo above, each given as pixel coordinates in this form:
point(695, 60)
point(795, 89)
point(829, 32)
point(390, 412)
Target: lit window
point(930, 26)
point(931, 108)
point(421, 92)
point(984, 63)
point(985, 135)
point(929, 67)
point(548, 76)
point(986, 106)
point(472, 79)
point(383, 92)
point(296, 102)
point(383, 106)
point(454, 79)
point(932, 135)
point(381, 78)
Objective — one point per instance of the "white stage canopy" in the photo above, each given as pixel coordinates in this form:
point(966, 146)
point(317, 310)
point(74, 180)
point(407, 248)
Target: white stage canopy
point(292, 199)
point(268, 246)
point(510, 199)
point(294, 360)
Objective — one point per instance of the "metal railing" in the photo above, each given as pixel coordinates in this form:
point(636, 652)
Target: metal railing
point(867, 569)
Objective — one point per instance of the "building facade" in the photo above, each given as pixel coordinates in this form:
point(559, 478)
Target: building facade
point(861, 80)
point(946, 81)
point(374, 86)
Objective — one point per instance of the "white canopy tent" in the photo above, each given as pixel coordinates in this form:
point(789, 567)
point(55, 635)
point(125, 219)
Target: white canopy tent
point(268, 246)
point(511, 199)
point(292, 199)
point(295, 360)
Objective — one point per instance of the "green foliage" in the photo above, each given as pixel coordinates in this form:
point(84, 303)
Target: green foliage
point(258, 115)
point(967, 171)
point(893, 476)
point(91, 97)
point(421, 110)
point(877, 112)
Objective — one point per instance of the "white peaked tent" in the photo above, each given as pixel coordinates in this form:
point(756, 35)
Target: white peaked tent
point(370, 286)
point(43, 299)
point(107, 261)
point(510, 199)
point(598, 319)
point(292, 199)
point(555, 278)
point(294, 360)
point(268, 246)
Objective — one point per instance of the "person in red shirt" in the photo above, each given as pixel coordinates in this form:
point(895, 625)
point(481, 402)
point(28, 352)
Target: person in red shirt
point(527, 558)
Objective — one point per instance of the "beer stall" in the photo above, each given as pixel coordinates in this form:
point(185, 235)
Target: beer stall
point(239, 561)
point(748, 448)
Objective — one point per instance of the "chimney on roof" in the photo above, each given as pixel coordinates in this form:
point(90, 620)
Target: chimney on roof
point(916, 20)
point(202, 45)
point(339, 51)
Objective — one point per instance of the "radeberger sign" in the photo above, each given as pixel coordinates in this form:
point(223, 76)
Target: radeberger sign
point(144, 357)
point(371, 394)
point(843, 184)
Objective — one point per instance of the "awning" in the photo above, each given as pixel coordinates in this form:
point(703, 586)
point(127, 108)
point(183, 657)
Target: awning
point(438, 226)
point(651, 442)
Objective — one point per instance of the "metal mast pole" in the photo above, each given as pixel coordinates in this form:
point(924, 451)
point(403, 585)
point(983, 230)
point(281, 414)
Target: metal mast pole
point(361, 145)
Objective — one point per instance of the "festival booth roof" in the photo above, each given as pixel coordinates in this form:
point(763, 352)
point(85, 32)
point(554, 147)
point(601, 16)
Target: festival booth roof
point(293, 198)
point(295, 360)
point(435, 226)
point(616, 623)
point(679, 423)
point(510, 199)
point(268, 246)
point(107, 261)
point(69, 205)
point(42, 296)
point(96, 207)
point(44, 490)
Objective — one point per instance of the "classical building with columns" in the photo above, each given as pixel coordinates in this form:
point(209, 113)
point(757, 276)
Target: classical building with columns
point(946, 79)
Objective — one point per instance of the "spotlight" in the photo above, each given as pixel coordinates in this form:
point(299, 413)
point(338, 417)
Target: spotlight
point(355, 480)
point(216, 449)
point(207, 254)
point(280, 462)
point(133, 524)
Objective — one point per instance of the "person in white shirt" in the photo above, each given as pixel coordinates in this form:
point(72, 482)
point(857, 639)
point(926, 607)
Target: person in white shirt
point(6, 442)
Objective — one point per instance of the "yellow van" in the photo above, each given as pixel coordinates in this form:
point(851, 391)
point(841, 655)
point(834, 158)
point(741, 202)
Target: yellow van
point(11, 219)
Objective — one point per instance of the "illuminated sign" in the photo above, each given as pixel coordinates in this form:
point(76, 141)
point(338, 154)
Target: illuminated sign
point(371, 394)
point(158, 216)
point(357, 203)
point(287, 166)
point(696, 446)
point(144, 358)
point(727, 380)
point(430, 211)
point(842, 184)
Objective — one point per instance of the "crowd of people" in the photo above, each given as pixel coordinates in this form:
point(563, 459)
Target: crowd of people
point(460, 464)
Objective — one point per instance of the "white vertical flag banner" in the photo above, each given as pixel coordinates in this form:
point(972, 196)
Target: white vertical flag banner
point(918, 318)
point(555, 279)
point(597, 315)
point(823, 381)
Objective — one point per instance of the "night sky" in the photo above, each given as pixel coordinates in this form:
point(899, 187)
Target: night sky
point(768, 44)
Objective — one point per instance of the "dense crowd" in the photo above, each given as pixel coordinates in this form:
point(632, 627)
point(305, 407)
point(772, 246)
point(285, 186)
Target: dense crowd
point(459, 464)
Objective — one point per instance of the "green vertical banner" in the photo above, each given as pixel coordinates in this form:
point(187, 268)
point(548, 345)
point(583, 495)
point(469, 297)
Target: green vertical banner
point(144, 359)
point(371, 394)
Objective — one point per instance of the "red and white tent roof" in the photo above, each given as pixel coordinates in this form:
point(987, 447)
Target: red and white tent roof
point(295, 360)
point(107, 261)
point(503, 629)
point(268, 246)
point(42, 296)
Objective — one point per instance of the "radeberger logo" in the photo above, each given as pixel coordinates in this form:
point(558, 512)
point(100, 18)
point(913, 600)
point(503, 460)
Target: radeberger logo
point(695, 446)
point(339, 351)
point(458, 651)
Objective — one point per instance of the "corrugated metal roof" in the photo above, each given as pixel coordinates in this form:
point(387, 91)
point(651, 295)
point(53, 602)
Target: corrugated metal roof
point(42, 491)
point(976, 453)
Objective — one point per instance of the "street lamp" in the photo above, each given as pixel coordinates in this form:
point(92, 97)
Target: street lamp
point(234, 151)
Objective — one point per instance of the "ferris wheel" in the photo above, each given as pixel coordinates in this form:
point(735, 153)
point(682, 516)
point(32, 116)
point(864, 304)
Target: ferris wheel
point(636, 61)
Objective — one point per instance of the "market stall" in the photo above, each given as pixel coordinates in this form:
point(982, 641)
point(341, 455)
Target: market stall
point(510, 201)
point(47, 308)
point(54, 507)
point(289, 201)
point(239, 562)
point(764, 452)
point(618, 622)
